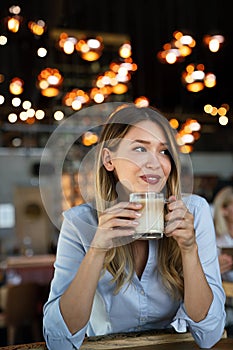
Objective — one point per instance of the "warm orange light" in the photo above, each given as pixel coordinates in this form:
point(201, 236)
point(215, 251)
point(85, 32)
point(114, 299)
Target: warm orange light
point(141, 101)
point(90, 49)
point(214, 42)
point(120, 89)
point(16, 86)
point(49, 82)
point(208, 108)
point(186, 149)
point(37, 28)
point(210, 80)
point(179, 47)
point(125, 50)
point(222, 111)
point(50, 92)
point(76, 98)
point(195, 86)
point(89, 138)
point(174, 123)
point(195, 79)
point(13, 24)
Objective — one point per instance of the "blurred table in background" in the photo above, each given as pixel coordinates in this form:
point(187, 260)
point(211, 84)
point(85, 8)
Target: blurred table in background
point(36, 268)
point(21, 269)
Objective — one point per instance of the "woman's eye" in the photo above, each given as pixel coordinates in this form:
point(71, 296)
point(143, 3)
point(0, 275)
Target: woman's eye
point(140, 149)
point(165, 152)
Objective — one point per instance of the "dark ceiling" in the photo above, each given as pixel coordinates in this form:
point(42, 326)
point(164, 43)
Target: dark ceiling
point(149, 25)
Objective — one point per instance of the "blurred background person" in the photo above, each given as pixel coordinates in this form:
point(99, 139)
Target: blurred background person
point(223, 220)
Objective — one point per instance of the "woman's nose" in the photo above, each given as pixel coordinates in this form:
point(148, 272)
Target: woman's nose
point(152, 161)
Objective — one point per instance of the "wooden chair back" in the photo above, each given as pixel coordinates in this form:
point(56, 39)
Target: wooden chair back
point(22, 309)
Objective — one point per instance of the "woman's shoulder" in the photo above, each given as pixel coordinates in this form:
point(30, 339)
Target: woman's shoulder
point(194, 200)
point(84, 211)
point(197, 204)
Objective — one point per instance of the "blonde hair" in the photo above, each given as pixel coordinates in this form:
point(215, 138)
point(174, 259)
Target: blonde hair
point(118, 258)
point(222, 199)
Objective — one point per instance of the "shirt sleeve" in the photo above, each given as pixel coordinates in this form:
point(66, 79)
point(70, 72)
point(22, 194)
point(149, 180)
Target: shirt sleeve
point(208, 331)
point(70, 253)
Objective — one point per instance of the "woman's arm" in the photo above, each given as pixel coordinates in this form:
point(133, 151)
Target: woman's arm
point(76, 302)
point(198, 295)
point(200, 257)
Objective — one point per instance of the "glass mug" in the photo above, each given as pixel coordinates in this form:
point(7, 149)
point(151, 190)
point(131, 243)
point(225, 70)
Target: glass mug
point(151, 221)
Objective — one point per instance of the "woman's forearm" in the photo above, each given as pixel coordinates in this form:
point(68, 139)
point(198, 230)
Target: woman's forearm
point(77, 300)
point(198, 295)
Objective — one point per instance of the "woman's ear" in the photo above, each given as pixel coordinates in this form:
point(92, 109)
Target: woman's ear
point(107, 160)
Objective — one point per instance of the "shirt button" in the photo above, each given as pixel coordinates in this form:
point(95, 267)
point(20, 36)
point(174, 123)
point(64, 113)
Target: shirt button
point(142, 292)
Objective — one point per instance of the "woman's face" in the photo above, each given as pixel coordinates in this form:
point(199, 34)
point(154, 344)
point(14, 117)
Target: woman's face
point(228, 212)
point(141, 162)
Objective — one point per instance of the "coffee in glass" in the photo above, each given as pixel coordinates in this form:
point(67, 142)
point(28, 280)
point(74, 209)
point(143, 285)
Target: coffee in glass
point(151, 221)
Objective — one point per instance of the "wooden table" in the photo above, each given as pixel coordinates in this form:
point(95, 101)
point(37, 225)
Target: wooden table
point(150, 341)
point(223, 344)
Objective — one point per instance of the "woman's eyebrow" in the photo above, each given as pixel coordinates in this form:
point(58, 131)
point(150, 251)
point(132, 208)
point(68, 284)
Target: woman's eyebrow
point(148, 142)
point(140, 141)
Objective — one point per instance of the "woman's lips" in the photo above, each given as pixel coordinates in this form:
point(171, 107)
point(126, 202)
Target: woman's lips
point(151, 179)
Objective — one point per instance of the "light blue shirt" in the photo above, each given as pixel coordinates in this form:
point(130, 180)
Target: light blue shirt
point(144, 304)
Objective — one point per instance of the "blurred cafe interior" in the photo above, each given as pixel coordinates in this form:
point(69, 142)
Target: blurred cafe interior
point(66, 58)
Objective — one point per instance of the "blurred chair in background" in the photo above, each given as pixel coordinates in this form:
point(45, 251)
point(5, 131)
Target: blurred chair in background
point(22, 311)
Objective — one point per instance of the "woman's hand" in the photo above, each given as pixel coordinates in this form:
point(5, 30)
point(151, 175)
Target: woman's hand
point(115, 224)
point(179, 224)
point(225, 262)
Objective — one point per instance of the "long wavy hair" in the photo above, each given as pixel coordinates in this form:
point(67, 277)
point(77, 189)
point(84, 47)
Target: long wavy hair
point(120, 257)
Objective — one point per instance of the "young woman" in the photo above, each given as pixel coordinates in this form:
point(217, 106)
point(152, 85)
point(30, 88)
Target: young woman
point(107, 282)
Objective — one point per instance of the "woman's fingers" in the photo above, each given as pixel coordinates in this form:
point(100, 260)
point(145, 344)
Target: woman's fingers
point(124, 211)
point(116, 222)
point(179, 223)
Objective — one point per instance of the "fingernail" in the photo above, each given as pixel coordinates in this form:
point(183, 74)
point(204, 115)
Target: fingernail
point(138, 205)
point(134, 222)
